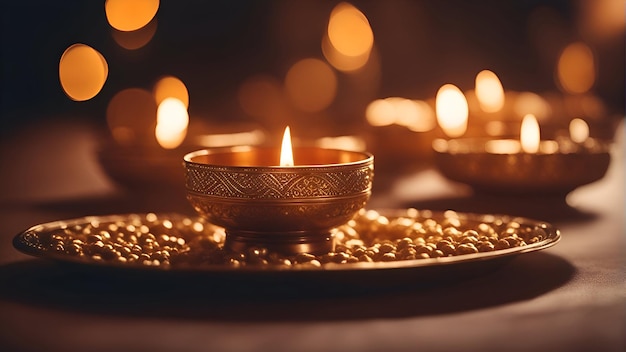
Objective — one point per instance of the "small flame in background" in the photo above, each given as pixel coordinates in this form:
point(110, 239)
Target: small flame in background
point(578, 130)
point(489, 91)
point(172, 97)
point(172, 122)
point(529, 134)
point(452, 110)
point(311, 85)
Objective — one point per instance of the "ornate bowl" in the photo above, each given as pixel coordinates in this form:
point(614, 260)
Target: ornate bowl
point(554, 173)
point(284, 209)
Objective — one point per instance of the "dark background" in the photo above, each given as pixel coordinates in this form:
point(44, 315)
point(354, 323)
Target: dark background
point(213, 46)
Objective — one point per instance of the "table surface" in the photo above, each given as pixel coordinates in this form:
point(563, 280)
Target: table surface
point(570, 297)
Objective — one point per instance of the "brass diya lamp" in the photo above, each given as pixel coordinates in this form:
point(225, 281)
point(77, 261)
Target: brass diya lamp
point(525, 166)
point(147, 165)
point(283, 207)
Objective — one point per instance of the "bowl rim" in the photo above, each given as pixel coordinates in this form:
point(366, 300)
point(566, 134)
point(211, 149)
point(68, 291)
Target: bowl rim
point(366, 158)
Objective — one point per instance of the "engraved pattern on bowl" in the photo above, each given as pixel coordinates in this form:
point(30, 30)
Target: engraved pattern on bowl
point(313, 198)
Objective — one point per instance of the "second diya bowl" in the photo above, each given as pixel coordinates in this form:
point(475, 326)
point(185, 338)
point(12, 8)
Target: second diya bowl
point(287, 209)
point(554, 170)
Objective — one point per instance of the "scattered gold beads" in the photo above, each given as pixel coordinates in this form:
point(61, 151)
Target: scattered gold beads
point(166, 241)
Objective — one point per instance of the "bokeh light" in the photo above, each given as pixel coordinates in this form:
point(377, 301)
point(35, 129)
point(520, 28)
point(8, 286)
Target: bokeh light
point(380, 112)
point(349, 30)
point(349, 39)
point(133, 40)
point(130, 15)
point(452, 110)
point(578, 130)
point(423, 119)
point(341, 62)
point(532, 103)
point(311, 85)
point(171, 87)
point(82, 72)
point(530, 134)
point(576, 69)
point(489, 91)
point(131, 116)
point(353, 143)
point(603, 18)
point(172, 122)
point(416, 115)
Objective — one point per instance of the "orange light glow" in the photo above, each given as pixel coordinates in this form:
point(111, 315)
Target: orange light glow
point(133, 40)
point(217, 140)
point(311, 85)
point(261, 96)
point(172, 122)
point(529, 134)
point(578, 130)
point(353, 143)
point(286, 151)
point(576, 69)
point(169, 139)
point(131, 116)
point(489, 91)
point(452, 110)
point(502, 146)
point(125, 15)
point(171, 87)
point(603, 18)
point(416, 115)
point(349, 31)
point(380, 112)
point(82, 72)
point(342, 62)
point(532, 103)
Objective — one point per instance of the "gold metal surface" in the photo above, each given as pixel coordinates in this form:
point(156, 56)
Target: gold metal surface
point(287, 209)
point(178, 243)
point(557, 173)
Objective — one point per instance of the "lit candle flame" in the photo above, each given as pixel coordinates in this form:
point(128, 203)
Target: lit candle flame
point(578, 130)
point(530, 134)
point(489, 91)
point(286, 152)
point(452, 110)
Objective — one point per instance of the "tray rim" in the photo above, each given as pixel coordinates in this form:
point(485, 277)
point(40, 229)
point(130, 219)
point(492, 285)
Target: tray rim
point(553, 237)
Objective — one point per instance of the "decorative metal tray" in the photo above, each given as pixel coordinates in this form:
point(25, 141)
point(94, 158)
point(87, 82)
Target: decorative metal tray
point(375, 245)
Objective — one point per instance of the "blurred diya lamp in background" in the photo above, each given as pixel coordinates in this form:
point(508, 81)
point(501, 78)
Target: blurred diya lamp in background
point(528, 166)
point(155, 159)
point(287, 205)
point(146, 166)
point(400, 130)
